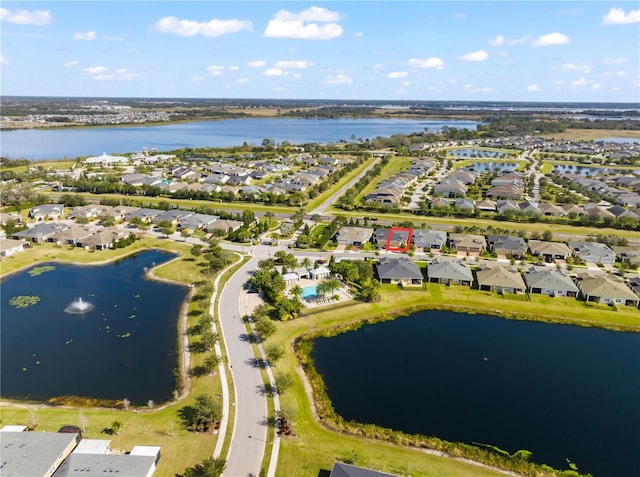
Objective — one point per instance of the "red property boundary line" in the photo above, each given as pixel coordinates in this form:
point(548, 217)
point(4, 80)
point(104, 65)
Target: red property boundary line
point(388, 246)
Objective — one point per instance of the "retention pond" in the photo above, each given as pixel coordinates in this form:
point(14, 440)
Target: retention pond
point(565, 393)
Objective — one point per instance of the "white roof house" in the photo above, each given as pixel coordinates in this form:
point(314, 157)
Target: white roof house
point(106, 160)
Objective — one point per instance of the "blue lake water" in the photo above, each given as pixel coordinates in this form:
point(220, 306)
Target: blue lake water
point(126, 346)
point(481, 153)
point(592, 171)
point(562, 392)
point(72, 143)
point(493, 166)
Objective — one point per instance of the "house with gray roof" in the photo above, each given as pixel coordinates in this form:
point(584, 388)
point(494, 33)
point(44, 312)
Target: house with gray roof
point(507, 245)
point(429, 239)
point(593, 252)
point(549, 281)
point(196, 221)
point(500, 279)
point(507, 206)
point(46, 212)
point(397, 238)
point(449, 272)
point(39, 232)
point(34, 453)
point(98, 465)
point(172, 215)
point(603, 288)
point(144, 214)
point(354, 236)
point(549, 251)
point(399, 270)
point(70, 235)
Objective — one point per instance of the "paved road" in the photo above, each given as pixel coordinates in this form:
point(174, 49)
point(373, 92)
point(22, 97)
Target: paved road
point(333, 199)
point(250, 430)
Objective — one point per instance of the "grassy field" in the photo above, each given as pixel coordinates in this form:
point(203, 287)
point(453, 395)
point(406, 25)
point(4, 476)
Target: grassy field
point(395, 165)
point(141, 426)
point(316, 447)
point(592, 134)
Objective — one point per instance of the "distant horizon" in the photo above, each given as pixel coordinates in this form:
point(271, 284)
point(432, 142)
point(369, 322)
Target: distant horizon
point(320, 100)
point(507, 51)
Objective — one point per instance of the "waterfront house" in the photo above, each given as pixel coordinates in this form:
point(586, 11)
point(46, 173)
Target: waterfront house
point(399, 270)
point(10, 247)
point(549, 281)
point(449, 272)
point(39, 232)
point(500, 279)
point(341, 469)
point(71, 235)
point(603, 288)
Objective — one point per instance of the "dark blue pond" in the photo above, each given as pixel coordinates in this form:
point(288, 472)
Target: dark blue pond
point(126, 346)
point(562, 392)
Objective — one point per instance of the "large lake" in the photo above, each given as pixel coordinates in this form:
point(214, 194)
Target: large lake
point(71, 143)
point(562, 392)
point(125, 347)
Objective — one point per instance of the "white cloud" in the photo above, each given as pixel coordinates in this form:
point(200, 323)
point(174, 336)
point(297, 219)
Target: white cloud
point(502, 40)
point(4, 61)
point(622, 73)
point(596, 86)
point(397, 74)
point(26, 17)
point(533, 88)
point(358, 34)
point(215, 70)
point(276, 72)
point(579, 82)
point(479, 55)
point(242, 80)
point(453, 81)
point(617, 16)
point(257, 64)
point(212, 28)
point(297, 75)
point(196, 78)
point(314, 23)
point(406, 83)
point(119, 75)
point(614, 61)
point(377, 66)
point(95, 70)
point(337, 79)
point(432, 62)
point(88, 35)
point(293, 64)
point(71, 64)
point(581, 67)
point(233, 68)
point(118, 39)
point(552, 39)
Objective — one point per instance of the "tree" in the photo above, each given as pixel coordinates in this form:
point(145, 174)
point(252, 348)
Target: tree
point(116, 426)
point(283, 382)
point(209, 467)
point(202, 415)
point(547, 235)
point(274, 353)
point(328, 286)
point(264, 328)
point(296, 291)
point(208, 339)
point(210, 363)
point(269, 215)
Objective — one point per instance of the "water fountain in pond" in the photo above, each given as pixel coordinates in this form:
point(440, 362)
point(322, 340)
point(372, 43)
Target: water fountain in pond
point(78, 307)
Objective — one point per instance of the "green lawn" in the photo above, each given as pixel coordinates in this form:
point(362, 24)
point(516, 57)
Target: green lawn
point(394, 166)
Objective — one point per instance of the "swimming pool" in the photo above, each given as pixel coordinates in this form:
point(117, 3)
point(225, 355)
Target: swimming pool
point(308, 292)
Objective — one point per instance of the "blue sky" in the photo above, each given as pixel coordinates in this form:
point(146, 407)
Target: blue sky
point(413, 50)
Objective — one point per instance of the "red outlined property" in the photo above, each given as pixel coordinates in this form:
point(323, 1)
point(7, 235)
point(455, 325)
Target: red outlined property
point(399, 239)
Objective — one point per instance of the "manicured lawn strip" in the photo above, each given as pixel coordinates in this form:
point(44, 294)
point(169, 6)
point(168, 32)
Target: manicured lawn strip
point(334, 188)
point(64, 164)
point(596, 165)
point(161, 427)
point(394, 166)
point(316, 447)
point(590, 134)
point(479, 222)
point(151, 202)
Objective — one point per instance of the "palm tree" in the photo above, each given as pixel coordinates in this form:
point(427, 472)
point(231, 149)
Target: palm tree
point(269, 215)
point(328, 286)
point(296, 292)
point(306, 263)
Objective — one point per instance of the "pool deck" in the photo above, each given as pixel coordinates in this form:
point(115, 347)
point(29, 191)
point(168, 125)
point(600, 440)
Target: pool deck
point(315, 302)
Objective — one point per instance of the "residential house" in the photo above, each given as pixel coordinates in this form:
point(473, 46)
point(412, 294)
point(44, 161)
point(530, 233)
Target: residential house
point(449, 272)
point(429, 239)
point(89, 211)
point(140, 462)
point(399, 270)
point(549, 251)
point(500, 279)
point(529, 208)
point(101, 240)
point(602, 288)
point(144, 214)
point(106, 160)
point(10, 247)
point(39, 232)
point(319, 273)
point(551, 210)
point(196, 221)
point(224, 225)
point(46, 212)
point(172, 215)
point(468, 243)
point(507, 206)
point(630, 255)
point(506, 245)
point(549, 281)
point(71, 235)
point(593, 252)
point(356, 236)
point(449, 187)
point(485, 205)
